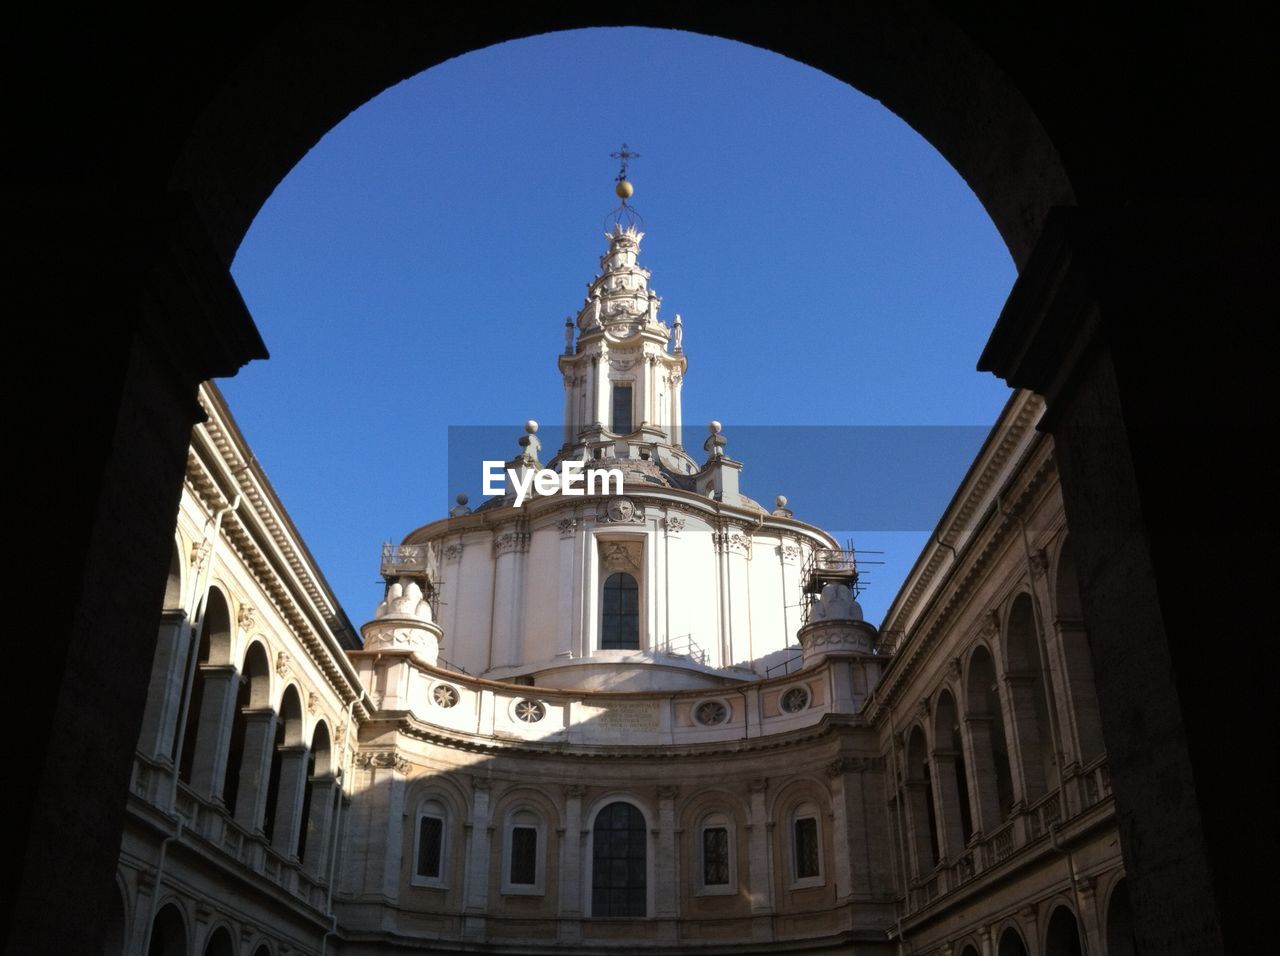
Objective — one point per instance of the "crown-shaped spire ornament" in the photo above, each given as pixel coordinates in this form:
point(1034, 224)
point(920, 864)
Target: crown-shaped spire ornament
point(625, 214)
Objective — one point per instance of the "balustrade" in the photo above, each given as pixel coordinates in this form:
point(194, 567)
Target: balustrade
point(1091, 786)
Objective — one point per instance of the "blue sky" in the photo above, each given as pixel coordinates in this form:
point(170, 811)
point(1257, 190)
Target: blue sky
point(415, 269)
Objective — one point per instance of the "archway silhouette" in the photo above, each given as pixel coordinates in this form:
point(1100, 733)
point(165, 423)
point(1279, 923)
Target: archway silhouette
point(174, 175)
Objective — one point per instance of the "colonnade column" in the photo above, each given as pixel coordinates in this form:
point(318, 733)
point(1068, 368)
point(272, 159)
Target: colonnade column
point(293, 783)
point(164, 694)
point(984, 798)
point(1017, 707)
point(916, 797)
point(946, 799)
point(319, 825)
point(213, 733)
point(255, 767)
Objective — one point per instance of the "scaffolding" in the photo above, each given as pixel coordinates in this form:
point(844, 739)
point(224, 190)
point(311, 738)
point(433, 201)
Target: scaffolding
point(419, 562)
point(832, 566)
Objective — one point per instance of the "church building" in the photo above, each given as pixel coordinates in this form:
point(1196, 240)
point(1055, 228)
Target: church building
point(645, 717)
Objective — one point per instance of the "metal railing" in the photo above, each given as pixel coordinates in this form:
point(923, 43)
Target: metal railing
point(796, 660)
point(684, 646)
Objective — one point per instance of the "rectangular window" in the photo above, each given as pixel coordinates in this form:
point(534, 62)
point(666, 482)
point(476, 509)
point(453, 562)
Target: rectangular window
point(715, 856)
point(430, 844)
point(806, 836)
point(622, 410)
point(524, 856)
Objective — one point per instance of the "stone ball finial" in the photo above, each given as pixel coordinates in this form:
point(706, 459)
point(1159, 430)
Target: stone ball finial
point(780, 501)
point(714, 427)
point(461, 499)
point(531, 426)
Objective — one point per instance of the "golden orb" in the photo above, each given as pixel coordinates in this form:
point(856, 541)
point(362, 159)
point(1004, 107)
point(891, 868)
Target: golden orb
point(624, 189)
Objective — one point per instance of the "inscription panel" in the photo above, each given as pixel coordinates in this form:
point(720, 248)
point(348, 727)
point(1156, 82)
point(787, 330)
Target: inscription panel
point(622, 717)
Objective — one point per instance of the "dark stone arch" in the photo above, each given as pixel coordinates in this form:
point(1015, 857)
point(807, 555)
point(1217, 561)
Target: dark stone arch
point(952, 784)
point(1029, 699)
point(912, 58)
point(1062, 937)
point(117, 926)
point(216, 631)
point(1119, 922)
point(288, 740)
point(220, 943)
point(291, 715)
point(214, 648)
point(1011, 943)
point(1077, 679)
point(922, 824)
point(168, 933)
point(253, 695)
point(985, 720)
point(173, 583)
point(318, 781)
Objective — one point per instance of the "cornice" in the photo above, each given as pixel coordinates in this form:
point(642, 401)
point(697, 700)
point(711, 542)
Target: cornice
point(914, 649)
point(719, 515)
point(831, 726)
point(220, 466)
point(972, 496)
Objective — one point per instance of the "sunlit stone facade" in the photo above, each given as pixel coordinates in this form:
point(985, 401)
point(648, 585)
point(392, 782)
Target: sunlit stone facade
point(652, 720)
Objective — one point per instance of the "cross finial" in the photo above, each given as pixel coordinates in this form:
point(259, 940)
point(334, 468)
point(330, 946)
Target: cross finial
point(624, 155)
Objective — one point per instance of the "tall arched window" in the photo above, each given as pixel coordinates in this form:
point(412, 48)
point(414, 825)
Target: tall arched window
point(619, 859)
point(620, 622)
point(430, 844)
point(523, 853)
point(717, 857)
point(806, 845)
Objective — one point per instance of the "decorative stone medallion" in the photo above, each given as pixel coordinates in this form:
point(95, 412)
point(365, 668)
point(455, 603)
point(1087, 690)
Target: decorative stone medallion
point(444, 695)
point(620, 509)
point(711, 713)
point(529, 711)
point(794, 700)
